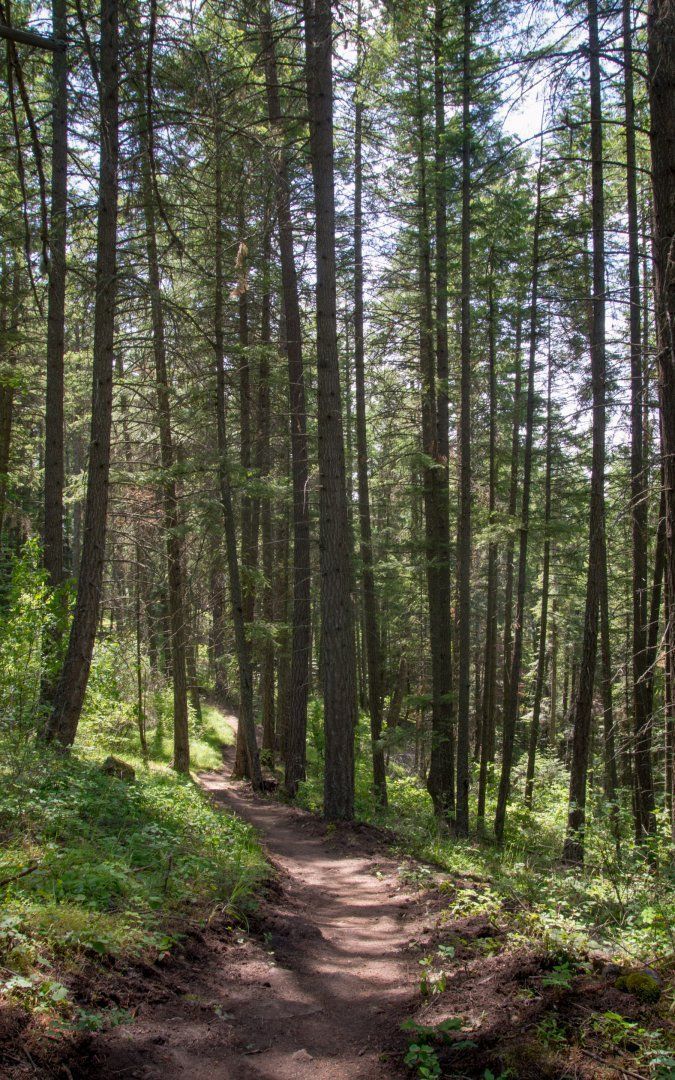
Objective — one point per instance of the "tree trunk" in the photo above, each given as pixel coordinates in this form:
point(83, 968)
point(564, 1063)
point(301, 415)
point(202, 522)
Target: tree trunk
point(464, 527)
point(513, 699)
point(396, 700)
point(574, 840)
point(282, 606)
point(370, 612)
point(54, 454)
point(72, 683)
point(513, 503)
point(294, 703)
point(609, 742)
point(9, 320)
point(487, 720)
point(553, 707)
point(661, 60)
point(337, 634)
point(174, 555)
point(248, 506)
point(639, 492)
point(669, 709)
point(246, 714)
point(652, 626)
point(543, 623)
point(217, 592)
point(440, 779)
point(263, 466)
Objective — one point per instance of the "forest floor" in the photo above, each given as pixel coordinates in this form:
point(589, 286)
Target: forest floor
point(315, 989)
point(350, 941)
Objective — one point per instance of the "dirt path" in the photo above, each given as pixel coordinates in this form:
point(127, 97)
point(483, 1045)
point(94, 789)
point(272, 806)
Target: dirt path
point(321, 991)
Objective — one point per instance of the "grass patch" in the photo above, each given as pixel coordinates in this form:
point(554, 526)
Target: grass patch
point(206, 742)
point(120, 867)
point(619, 901)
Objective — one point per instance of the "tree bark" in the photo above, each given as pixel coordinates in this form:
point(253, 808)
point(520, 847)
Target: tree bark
point(464, 527)
point(72, 683)
point(543, 622)
point(242, 644)
point(292, 710)
point(513, 504)
point(9, 320)
point(54, 452)
point(440, 779)
point(174, 555)
point(263, 466)
point(639, 493)
point(370, 610)
point(217, 603)
point(661, 64)
point(248, 505)
point(513, 699)
point(573, 851)
point(337, 634)
point(487, 717)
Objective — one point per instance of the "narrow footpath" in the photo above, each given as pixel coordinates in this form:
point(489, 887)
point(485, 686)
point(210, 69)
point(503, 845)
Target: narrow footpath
point(318, 990)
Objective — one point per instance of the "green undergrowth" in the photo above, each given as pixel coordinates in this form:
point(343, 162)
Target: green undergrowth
point(116, 868)
point(91, 865)
point(621, 902)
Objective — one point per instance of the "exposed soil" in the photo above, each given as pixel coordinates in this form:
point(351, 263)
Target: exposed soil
point(317, 990)
point(320, 980)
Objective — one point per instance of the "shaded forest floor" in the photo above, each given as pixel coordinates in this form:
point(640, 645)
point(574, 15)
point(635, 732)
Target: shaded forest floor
point(359, 964)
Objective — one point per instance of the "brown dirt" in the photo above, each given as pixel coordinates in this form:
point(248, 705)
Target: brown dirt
point(318, 982)
point(317, 991)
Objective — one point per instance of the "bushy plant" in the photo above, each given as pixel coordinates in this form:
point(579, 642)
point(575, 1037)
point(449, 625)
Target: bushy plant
point(29, 611)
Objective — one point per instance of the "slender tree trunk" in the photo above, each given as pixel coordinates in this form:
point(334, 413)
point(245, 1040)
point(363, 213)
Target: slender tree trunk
point(249, 538)
point(249, 516)
point(553, 707)
point(639, 493)
point(574, 841)
point(396, 700)
point(513, 503)
point(661, 61)
point(282, 602)
point(669, 709)
point(543, 623)
point(655, 602)
point(217, 595)
point(609, 741)
point(174, 555)
point(264, 466)
point(54, 453)
point(72, 683)
point(370, 612)
point(138, 609)
point(9, 321)
point(337, 633)
point(464, 529)
point(440, 779)
point(513, 700)
point(487, 721)
point(138, 560)
point(246, 714)
point(295, 730)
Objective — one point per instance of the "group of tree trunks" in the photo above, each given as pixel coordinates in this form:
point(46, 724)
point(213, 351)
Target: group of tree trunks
point(449, 767)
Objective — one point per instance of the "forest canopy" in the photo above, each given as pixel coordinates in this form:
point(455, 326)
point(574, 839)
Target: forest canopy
point(337, 388)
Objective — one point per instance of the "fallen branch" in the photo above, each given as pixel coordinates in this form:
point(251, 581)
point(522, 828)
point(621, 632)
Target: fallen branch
point(617, 1068)
point(22, 873)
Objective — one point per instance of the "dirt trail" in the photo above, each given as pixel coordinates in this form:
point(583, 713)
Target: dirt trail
point(321, 992)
